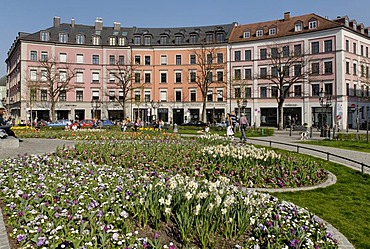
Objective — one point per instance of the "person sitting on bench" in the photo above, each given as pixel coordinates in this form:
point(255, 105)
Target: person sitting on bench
point(4, 124)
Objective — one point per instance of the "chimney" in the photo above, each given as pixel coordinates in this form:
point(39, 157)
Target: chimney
point(56, 21)
point(73, 22)
point(286, 16)
point(99, 23)
point(117, 26)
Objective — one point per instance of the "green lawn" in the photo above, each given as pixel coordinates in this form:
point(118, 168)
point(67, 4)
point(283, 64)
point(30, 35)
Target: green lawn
point(347, 144)
point(345, 205)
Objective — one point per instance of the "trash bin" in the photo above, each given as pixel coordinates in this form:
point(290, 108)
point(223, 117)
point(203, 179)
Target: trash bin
point(262, 132)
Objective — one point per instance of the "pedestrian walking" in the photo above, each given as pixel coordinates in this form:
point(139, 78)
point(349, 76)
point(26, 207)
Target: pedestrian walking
point(243, 123)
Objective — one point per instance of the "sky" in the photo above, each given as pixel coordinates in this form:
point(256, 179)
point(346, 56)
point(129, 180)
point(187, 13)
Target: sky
point(33, 15)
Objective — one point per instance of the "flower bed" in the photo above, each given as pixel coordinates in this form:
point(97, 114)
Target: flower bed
point(57, 202)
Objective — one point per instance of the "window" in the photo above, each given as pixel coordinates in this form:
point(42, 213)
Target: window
point(121, 60)
point(44, 56)
point(163, 40)
point(33, 75)
point(247, 55)
point(95, 59)
point(315, 89)
point(246, 34)
point(163, 59)
point(80, 58)
point(286, 71)
point(163, 77)
point(315, 47)
point(112, 60)
point(263, 91)
point(147, 40)
point(298, 91)
point(347, 89)
point(274, 53)
point(79, 95)
point(354, 90)
point(79, 77)
point(209, 59)
point(112, 96)
point(362, 71)
point(354, 48)
point(259, 33)
point(63, 57)
point(274, 72)
point(44, 36)
point(248, 73)
point(33, 56)
point(62, 95)
point(237, 92)
point(237, 74)
point(80, 39)
point(44, 75)
point(137, 77)
point(237, 56)
point(44, 95)
point(112, 77)
point(347, 67)
point(112, 41)
point(286, 91)
point(96, 40)
point(95, 95)
point(193, 59)
point(362, 50)
point(248, 92)
point(178, 96)
point(328, 45)
point(312, 24)
point(220, 76)
point(193, 39)
point(193, 95)
point(367, 51)
point(178, 77)
point(121, 41)
point(297, 70)
point(62, 76)
point(354, 69)
point(63, 37)
point(163, 95)
point(220, 58)
point(147, 97)
point(315, 68)
point(286, 51)
point(210, 95)
point(297, 49)
point(209, 76)
point(137, 40)
point(263, 73)
point(137, 96)
point(193, 76)
point(347, 45)
point(178, 39)
point(274, 91)
point(209, 38)
point(328, 88)
point(178, 59)
point(147, 60)
point(298, 27)
point(95, 77)
point(220, 95)
point(137, 59)
point(147, 77)
point(220, 37)
point(272, 31)
point(263, 53)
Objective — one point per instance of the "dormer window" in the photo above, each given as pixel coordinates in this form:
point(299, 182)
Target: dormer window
point(298, 27)
point(272, 31)
point(259, 33)
point(80, 39)
point(45, 36)
point(209, 38)
point(147, 40)
point(137, 40)
point(112, 41)
point(193, 39)
point(312, 24)
point(346, 23)
point(246, 34)
point(220, 37)
point(354, 26)
point(63, 37)
point(96, 40)
point(121, 41)
point(178, 39)
point(163, 40)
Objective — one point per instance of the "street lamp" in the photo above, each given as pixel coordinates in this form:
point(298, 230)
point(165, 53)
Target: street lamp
point(95, 105)
point(154, 105)
point(325, 102)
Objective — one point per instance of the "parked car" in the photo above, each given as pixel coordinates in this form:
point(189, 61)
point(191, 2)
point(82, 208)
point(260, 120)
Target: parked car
point(195, 123)
point(60, 123)
point(87, 123)
point(222, 124)
point(106, 123)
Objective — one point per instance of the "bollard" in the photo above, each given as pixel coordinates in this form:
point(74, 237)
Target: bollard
point(175, 130)
point(311, 132)
point(262, 132)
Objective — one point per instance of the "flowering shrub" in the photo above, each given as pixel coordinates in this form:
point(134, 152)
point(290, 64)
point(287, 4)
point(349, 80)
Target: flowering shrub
point(54, 202)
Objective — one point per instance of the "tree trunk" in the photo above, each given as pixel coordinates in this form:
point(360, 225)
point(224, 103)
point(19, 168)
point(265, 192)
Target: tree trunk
point(204, 114)
point(280, 115)
point(52, 109)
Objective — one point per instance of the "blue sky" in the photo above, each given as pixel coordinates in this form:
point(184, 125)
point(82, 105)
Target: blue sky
point(33, 15)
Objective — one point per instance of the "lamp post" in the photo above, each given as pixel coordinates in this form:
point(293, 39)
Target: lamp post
point(95, 105)
point(325, 102)
point(154, 105)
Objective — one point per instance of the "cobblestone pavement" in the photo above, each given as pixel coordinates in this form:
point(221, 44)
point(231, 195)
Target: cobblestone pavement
point(38, 146)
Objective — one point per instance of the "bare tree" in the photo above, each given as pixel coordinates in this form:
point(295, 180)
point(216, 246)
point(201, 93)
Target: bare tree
point(288, 66)
point(207, 61)
point(56, 79)
point(240, 90)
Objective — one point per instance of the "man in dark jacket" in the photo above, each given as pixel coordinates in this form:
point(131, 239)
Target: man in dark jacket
point(4, 125)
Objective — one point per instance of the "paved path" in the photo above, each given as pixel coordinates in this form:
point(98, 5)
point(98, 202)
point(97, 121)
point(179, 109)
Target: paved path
point(38, 146)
